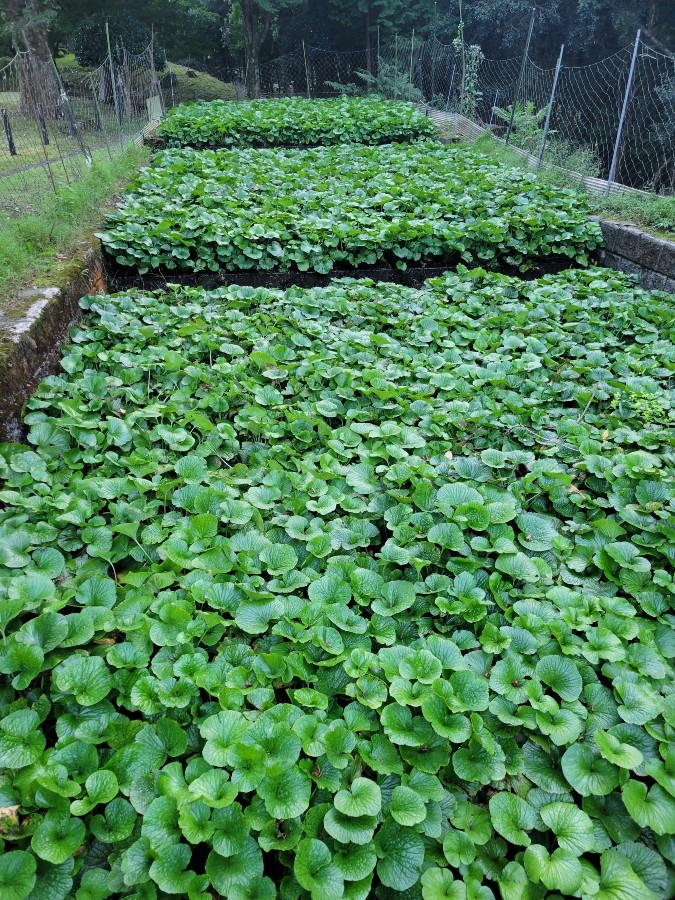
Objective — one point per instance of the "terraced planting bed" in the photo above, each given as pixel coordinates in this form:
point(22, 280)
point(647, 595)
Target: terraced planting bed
point(294, 122)
point(352, 592)
point(362, 591)
point(340, 207)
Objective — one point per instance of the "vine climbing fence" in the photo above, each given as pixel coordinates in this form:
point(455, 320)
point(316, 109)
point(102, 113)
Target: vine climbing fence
point(611, 122)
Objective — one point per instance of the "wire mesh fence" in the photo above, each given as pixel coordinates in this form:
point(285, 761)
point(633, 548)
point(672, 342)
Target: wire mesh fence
point(614, 119)
point(610, 117)
point(54, 122)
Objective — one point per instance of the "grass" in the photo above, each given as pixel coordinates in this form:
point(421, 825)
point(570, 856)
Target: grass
point(190, 84)
point(654, 213)
point(34, 243)
point(197, 86)
point(29, 148)
point(68, 64)
point(26, 133)
point(39, 229)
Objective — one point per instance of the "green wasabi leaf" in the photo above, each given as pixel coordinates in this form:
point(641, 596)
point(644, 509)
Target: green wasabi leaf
point(227, 874)
point(572, 826)
point(362, 799)
point(438, 884)
point(406, 806)
point(617, 752)
point(618, 881)
point(651, 808)
point(316, 872)
point(286, 794)
point(400, 853)
point(17, 874)
point(58, 836)
point(588, 772)
point(512, 817)
point(561, 871)
point(88, 678)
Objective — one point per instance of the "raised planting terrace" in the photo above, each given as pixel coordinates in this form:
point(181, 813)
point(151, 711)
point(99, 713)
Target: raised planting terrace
point(295, 123)
point(356, 592)
point(341, 207)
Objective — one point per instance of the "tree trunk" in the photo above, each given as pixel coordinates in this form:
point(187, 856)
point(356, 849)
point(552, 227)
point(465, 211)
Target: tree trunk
point(28, 21)
point(39, 88)
point(253, 40)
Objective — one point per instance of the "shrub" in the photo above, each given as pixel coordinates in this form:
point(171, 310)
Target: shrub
point(198, 85)
point(90, 44)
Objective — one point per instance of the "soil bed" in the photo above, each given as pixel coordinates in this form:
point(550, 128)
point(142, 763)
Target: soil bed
point(120, 278)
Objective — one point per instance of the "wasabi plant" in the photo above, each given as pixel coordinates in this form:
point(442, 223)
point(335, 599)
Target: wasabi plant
point(340, 207)
point(352, 592)
point(294, 122)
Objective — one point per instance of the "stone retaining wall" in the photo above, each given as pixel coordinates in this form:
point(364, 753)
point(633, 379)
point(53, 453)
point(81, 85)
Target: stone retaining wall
point(631, 250)
point(33, 328)
point(35, 325)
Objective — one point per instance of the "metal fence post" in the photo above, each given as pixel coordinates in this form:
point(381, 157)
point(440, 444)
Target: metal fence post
point(412, 57)
point(154, 81)
point(492, 111)
point(304, 50)
point(624, 110)
point(70, 116)
point(452, 82)
point(98, 124)
point(521, 76)
point(43, 124)
point(547, 123)
point(112, 76)
point(95, 110)
point(8, 133)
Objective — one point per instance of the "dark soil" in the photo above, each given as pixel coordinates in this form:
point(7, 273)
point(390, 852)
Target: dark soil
point(121, 278)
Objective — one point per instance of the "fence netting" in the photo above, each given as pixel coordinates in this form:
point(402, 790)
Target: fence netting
point(53, 122)
point(614, 116)
point(477, 93)
point(586, 108)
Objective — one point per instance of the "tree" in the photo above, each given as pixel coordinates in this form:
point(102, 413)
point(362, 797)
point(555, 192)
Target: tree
point(257, 19)
point(359, 20)
point(39, 88)
point(29, 24)
point(90, 43)
point(186, 29)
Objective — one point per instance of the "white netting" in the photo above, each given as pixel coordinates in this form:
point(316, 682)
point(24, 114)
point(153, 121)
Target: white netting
point(585, 114)
point(52, 122)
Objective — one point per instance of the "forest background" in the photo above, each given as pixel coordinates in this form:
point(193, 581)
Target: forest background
point(228, 37)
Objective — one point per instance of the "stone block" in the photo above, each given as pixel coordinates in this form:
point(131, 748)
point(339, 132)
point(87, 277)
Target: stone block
point(32, 330)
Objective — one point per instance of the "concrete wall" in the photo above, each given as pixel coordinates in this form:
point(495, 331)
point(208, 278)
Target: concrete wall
point(32, 330)
point(34, 326)
point(631, 250)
